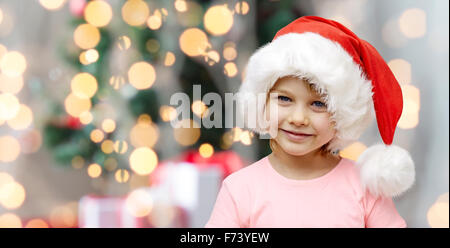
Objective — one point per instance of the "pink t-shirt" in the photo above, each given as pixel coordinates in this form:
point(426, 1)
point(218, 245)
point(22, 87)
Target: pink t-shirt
point(258, 196)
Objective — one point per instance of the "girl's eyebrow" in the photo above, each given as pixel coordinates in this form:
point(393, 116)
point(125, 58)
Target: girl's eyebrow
point(281, 91)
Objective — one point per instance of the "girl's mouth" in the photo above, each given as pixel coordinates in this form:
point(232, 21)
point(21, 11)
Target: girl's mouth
point(295, 136)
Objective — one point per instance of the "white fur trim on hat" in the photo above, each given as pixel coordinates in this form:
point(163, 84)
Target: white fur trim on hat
point(325, 64)
point(386, 170)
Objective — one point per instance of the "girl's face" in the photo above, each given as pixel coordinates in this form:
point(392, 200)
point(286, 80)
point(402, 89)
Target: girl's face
point(303, 123)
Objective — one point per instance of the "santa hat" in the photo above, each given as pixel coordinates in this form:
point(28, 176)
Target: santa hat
point(356, 81)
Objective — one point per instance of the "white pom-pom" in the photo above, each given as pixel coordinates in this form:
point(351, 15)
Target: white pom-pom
point(386, 170)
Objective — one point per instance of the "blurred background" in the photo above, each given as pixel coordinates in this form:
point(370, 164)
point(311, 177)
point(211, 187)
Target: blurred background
point(85, 86)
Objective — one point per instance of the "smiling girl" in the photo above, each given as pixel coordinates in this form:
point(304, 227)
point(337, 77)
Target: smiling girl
point(325, 84)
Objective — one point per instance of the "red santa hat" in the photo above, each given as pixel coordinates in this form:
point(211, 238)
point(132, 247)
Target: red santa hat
point(357, 83)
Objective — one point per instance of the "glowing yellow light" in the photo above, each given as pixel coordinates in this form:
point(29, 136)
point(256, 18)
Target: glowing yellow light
point(3, 50)
point(144, 118)
point(23, 118)
point(1, 17)
point(167, 113)
point(245, 138)
point(36, 223)
point(123, 42)
point(110, 164)
point(199, 108)
point(63, 217)
point(188, 132)
point(122, 176)
point(75, 105)
point(154, 22)
point(135, 12)
point(10, 220)
point(141, 75)
point(206, 150)
point(84, 85)
point(86, 36)
point(143, 160)
point(180, 5)
point(13, 64)
point(92, 55)
point(107, 146)
point(9, 149)
point(144, 134)
point(98, 13)
point(230, 69)
point(218, 20)
point(438, 214)
point(237, 132)
point(86, 117)
point(97, 135)
point(12, 195)
point(139, 203)
point(9, 106)
point(108, 125)
point(94, 170)
point(77, 162)
point(52, 4)
point(152, 45)
point(5, 178)
point(117, 82)
point(411, 106)
point(169, 59)
point(193, 42)
point(401, 69)
point(229, 53)
point(10, 84)
point(413, 23)
point(242, 7)
point(120, 146)
point(227, 140)
point(353, 151)
point(213, 57)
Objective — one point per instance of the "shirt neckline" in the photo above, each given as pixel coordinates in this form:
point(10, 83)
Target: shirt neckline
point(290, 181)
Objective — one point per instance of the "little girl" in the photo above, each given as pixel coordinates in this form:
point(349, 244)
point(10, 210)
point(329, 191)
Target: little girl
point(325, 83)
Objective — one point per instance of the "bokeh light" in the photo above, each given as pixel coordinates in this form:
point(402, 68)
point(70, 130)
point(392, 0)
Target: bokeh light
point(10, 220)
point(77, 162)
point(353, 151)
point(187, 133)
point(206, 150)
point(122, 176)
point(9, 149)
point(36, 223)
point(135, 12)
point(98, 13)
point(411, 107)
point(86, 117)
point(86, 36)
point(218, 20)
point(242, 7)
point(199, 108)
point(63, 217)
point(108, 125)
point(180, 5)
point(120, 146)
point(194, 42)
point(84, 85)
point(401, 69)
point(230, 69)
point(97, 135)
point(139, 203)
point(94, 170)
point(413, 23)
point(143, 160)
point(12, 195)
point(23, 118)
point(107, 146)
point(13, 64)
point(141, 75)
point(52, 4)
point(438, 214)
point(123, 42)
point(167, 113)
point(229, 51)
point(75, 105)
point(144, 134)
point(169, 59)
point(11, 85)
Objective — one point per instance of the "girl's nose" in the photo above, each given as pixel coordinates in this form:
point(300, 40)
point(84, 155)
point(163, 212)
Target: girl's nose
point(299, 117)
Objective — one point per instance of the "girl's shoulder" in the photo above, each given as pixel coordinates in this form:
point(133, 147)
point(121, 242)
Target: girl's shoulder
point(247, 173)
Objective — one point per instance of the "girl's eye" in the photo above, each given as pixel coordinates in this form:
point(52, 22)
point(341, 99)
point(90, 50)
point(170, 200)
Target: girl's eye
point(284, 98)
point(319, 104)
